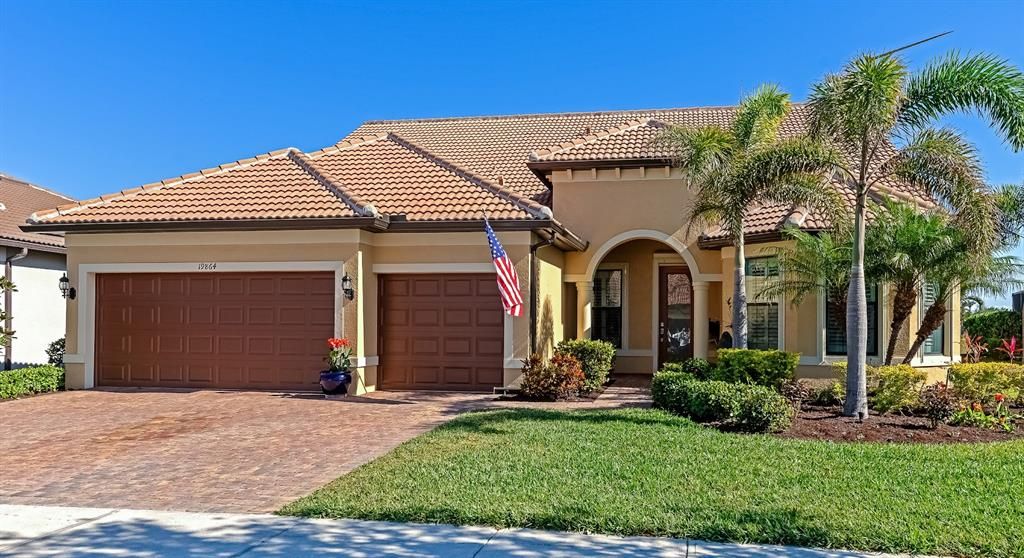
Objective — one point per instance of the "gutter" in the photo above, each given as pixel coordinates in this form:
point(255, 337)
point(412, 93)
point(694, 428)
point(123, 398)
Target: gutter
point(8, 302)
point(534, 272)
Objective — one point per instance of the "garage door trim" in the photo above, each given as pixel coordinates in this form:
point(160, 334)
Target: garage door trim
point(86, 287)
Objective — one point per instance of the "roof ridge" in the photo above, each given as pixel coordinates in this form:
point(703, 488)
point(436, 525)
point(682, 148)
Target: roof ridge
point(629, 125)
point(324, 177)
point(36, 186)
point(154, 186)
point(536, 209)
point(348, 144)
point(539, 115)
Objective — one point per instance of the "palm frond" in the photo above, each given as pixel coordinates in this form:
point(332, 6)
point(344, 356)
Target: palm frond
point(699, 152)
point(812, 264)
point(982, 82)
point(759, 117)
point(1009, 202)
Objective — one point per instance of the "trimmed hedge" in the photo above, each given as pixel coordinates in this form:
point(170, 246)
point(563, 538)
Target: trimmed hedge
point(751, 366)
point(980, 381)
point(745, 407)
point(596, 358)
point(696, 367)
point(994, 325)
point(898, 388)
point(26, 381)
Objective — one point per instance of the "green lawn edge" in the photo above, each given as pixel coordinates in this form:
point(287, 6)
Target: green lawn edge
point(646, 472)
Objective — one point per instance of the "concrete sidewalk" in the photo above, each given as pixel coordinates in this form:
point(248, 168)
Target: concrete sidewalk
point(33, 531)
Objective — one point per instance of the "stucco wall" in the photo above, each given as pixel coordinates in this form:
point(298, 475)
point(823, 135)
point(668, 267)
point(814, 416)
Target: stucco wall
point(551, 324)
point(37, 308)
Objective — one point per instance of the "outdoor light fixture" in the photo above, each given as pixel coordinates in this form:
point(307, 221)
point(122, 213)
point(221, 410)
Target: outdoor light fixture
point(346, 287)
point(66, 290)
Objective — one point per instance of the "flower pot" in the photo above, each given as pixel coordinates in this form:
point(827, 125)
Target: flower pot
point(335, 382)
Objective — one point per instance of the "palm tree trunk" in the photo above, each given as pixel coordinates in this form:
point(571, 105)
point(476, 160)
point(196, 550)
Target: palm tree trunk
point(739, 297)
point(856, 404)
point(902, 305)
point(933, 318)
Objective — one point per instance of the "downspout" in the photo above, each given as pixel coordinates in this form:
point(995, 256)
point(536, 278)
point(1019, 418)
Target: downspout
point(533, 288)
point(8, 301)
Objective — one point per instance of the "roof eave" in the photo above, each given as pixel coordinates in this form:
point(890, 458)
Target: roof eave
point(38, 246)
point(368, 223)
point(600, 163)
point(706, 243)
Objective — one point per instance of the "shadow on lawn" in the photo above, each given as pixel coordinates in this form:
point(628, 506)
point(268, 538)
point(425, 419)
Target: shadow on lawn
point(126, 534)
point(489, 422)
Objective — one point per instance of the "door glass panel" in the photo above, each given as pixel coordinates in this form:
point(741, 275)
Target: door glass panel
point(678, 324)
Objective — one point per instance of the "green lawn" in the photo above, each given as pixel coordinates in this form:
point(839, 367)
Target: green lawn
point(645, 472)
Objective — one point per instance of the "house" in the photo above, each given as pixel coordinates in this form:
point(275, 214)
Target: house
point(235, 275)
point(34, 262)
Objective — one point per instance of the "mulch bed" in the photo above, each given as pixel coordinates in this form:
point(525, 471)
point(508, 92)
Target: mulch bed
point(828, 423)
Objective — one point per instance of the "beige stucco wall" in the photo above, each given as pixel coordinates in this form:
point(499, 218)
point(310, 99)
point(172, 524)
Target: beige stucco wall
point(361, 253)
point(551, 324)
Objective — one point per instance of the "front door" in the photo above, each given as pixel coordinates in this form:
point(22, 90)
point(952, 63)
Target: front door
point(675, 314)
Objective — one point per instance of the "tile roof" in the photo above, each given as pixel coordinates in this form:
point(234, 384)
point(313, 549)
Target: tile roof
point(18, 199)
point(427, 170)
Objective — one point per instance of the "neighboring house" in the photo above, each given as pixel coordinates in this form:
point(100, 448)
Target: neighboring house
point(34, 262)
point(233, 276)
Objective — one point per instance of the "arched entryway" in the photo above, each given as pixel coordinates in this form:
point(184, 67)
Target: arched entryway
point(645, 293)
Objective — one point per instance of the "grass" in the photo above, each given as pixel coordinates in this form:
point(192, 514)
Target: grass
point(645, 472)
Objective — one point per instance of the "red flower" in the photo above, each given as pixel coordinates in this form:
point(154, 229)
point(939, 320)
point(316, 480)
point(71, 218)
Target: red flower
point(976, 406)
point(1000, 398)
point(337, 342)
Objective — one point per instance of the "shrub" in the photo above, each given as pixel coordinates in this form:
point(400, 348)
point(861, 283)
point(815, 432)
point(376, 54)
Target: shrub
point(669, 389)
point(796, 392)
point(762, 409)
point(596, 358)
point(559, 378)
point(26, 381)
point(55, 352)
point(899, 388)
point(698, 367)
point(938, 403)
point(750, 366)
point(995, 323)
point(980, 381)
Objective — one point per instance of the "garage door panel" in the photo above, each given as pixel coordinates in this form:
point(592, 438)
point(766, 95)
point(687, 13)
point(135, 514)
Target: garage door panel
point(213, 330)
point(440, 332)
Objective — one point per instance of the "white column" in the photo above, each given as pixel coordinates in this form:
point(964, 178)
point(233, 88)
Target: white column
point(584, 303)
point(700, 319)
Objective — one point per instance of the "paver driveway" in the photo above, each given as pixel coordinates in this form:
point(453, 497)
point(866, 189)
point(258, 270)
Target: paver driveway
point(200, 450)
point(224, 451)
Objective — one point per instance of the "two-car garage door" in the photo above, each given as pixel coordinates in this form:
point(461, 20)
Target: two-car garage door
point(213, 330)
point(267, 330)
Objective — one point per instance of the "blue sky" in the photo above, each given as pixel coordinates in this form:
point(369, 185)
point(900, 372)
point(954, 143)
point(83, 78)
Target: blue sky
point(99, 96)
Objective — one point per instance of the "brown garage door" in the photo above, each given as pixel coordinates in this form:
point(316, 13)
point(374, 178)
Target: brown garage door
point(440, 332)
point(215, 330)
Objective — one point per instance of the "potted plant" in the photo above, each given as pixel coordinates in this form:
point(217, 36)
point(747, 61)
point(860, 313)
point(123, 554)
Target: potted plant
point(337, 377)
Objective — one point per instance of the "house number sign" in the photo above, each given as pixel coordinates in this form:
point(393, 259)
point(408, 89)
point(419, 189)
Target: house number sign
point(208, 266)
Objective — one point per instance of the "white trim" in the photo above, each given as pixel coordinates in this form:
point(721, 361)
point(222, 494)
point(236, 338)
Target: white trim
point(434, 268)
point(86, 279)
point(624, 268)
point(779, 301)
point(363, 362)
point(650, 234)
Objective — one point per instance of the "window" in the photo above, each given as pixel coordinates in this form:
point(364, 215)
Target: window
point(606, 313)
point(835, 326)
point(934, 343)
point(762, 314)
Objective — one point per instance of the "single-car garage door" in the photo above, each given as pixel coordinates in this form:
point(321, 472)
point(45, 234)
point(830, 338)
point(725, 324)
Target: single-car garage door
point(213, 330)
point(440, 332)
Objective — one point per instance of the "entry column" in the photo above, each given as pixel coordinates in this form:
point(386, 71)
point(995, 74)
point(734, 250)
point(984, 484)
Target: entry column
point(584, 303)
point(700, 319)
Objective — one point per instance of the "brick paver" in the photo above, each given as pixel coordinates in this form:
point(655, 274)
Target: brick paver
point(211, 450)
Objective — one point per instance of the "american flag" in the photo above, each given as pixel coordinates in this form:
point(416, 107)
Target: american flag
point(508, 281)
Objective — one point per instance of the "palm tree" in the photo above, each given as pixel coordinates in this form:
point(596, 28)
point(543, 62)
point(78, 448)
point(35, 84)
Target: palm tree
point(735, 169)
point(992, 275)
point(901, 244)
point(816, 264)
point(1009, 199)
point(875, 105)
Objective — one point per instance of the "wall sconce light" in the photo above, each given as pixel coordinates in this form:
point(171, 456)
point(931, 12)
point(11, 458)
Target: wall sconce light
point(346, 287)
point(66, 290)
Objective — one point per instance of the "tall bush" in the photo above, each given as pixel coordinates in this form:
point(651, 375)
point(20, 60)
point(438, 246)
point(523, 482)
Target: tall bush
point(596, 358)
point(993, 324)
point(751, 366)
point(55, 352)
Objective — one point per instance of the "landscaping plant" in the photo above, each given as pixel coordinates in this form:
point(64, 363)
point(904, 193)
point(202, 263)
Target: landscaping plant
point(899, 388)
point(595, 356)
point(696, 367)
point(973, 348)
point(882, 115)
point(762, 409)
point(55, 353)
point(1010, 348)
point(751, 366)
point(34, 379)
point(734, 169)
point(796, 392)
point(938, 403)
point(559, 378)
point(979, 382)
point(993, 325)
